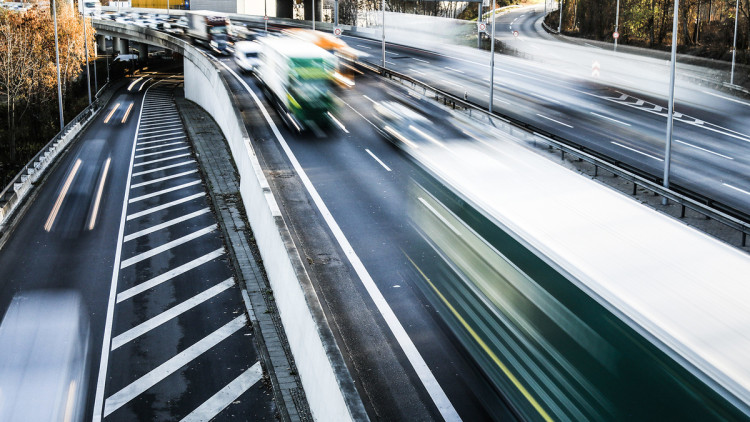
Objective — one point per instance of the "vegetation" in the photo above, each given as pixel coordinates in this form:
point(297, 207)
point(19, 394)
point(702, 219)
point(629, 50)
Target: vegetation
point(29, 115)
point(348, 9)
point(706, 27)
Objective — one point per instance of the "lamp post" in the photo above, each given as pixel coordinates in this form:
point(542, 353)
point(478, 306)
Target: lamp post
point(383, 31)
point(559, 25)
point(492, 58)
point(313, 14)
point(734, 46)
point(57, 63)
point(670, 117)
point(617, 23)
point(86, 47)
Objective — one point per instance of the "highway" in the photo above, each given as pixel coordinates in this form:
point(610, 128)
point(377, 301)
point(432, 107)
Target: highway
point(621, 113)
point(125, 221)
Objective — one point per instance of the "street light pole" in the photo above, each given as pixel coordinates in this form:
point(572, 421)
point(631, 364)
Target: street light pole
point(670, 111)
point(86, 47)
point(383, 31)
point(559, 25)
point(313, 14)
point(265, 14)
point(617, 23)
point(57, 63)
point(734, 46)
point(492, 58)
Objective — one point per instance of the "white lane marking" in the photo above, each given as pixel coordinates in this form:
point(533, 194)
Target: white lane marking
point(174, 132)
point(141, 173)
point(161, 140)
point(497, 99)
point(164, 206)
point(609, 118)
point(373, 101)
point(61, 196)
point(106, 341)
point(167, 246)
point(703, 149)
point(377, 159)
point(428, 137)
point(147, 381)
point(440, 217)
point(160, 146)
point(165, 224)
point(455, 70)
point(410, 350)
point(335, 120)
point(163, 191)
point(159, 118)
point(161, 179)
point(161, 129)
point(161, 159)
point(171, 313)
point(420, 60)
point(165, 122)
point(140, 288)
point(416, 71)
point(390, 62)
point(99, 191)
point(224, 397)
point(736, 188)
point(109, 116)
point(364, 46)
point(400, 137)
point(127, 113)
point(553, 120)
point(636, 151)
point(727, 98)
point(148, 154)
point(450, 83)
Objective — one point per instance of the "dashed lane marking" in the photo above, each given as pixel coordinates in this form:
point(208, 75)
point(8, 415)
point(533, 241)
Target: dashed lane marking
point(219, 401)
point(164, 206)
point(174, 272)
point(165, 224)
point(704, 149)
point(553, 120)
point(636, 151)
point(170, 314)
point(147, 381)
point(378, 160)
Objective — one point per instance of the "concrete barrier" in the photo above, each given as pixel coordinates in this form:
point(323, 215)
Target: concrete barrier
point(328, 385)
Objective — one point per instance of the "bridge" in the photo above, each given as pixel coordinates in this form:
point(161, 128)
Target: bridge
point(420, 257)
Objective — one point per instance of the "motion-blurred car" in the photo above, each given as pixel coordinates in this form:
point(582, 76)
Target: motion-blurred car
point(246, 55)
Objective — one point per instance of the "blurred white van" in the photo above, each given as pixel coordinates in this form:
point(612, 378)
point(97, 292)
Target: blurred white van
point(246, 55)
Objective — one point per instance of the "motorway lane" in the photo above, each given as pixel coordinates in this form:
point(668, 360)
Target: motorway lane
point(625, 125)
point(73, 254)
point(363, 179)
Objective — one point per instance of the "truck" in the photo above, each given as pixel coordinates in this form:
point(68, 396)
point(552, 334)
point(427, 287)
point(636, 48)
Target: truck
point(298, 77)
point(209, 28)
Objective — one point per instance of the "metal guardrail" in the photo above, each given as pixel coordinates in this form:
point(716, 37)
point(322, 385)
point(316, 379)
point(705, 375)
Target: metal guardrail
point(19, 187)
point(684, 197)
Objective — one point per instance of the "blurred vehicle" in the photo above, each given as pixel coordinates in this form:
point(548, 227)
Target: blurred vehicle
point(123, 64)
point(89, 7)
point(209, 28)
point(176, 25)
point(44, 357)
point(297, 76)
point(403, 125)
point(246, 55)
point(344, 75)
point(243, 33)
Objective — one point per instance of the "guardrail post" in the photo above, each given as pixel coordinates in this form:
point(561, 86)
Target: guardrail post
point(682, 211)
point(635, 188)
point(744, 239)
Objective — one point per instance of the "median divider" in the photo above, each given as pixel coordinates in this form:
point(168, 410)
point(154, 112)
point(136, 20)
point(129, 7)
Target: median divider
point(328, 385)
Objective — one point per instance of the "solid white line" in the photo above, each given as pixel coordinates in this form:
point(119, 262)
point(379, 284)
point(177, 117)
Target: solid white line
point(415, 358)
point(177, 121)
point(171, 313)
point(167, 246)
point(163, 191)
point(140, 288)
point(377, 159)
point(161, 179)
point(150, 132)
point(704, 150)
point(162, 134)
point(164, 168)
point(161, 118)
point(736, 188)
point(727, 98)
point(219, 401)
point(160, 146)
point(147, 381)
point(636, 151)
point(161, 159)
point(553, 120)
point(455, 70)
point(161, 140)
point(104, 360)
point(165, 224)
point(164, 206)
point(335, 120)
point(609, 118)
point(148, 154)
point(99, 191)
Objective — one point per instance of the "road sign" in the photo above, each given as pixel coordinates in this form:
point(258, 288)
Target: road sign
point(482, 26)
point(515, 34)
point(265, 18)
point(337, 31)
point(616, 35)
